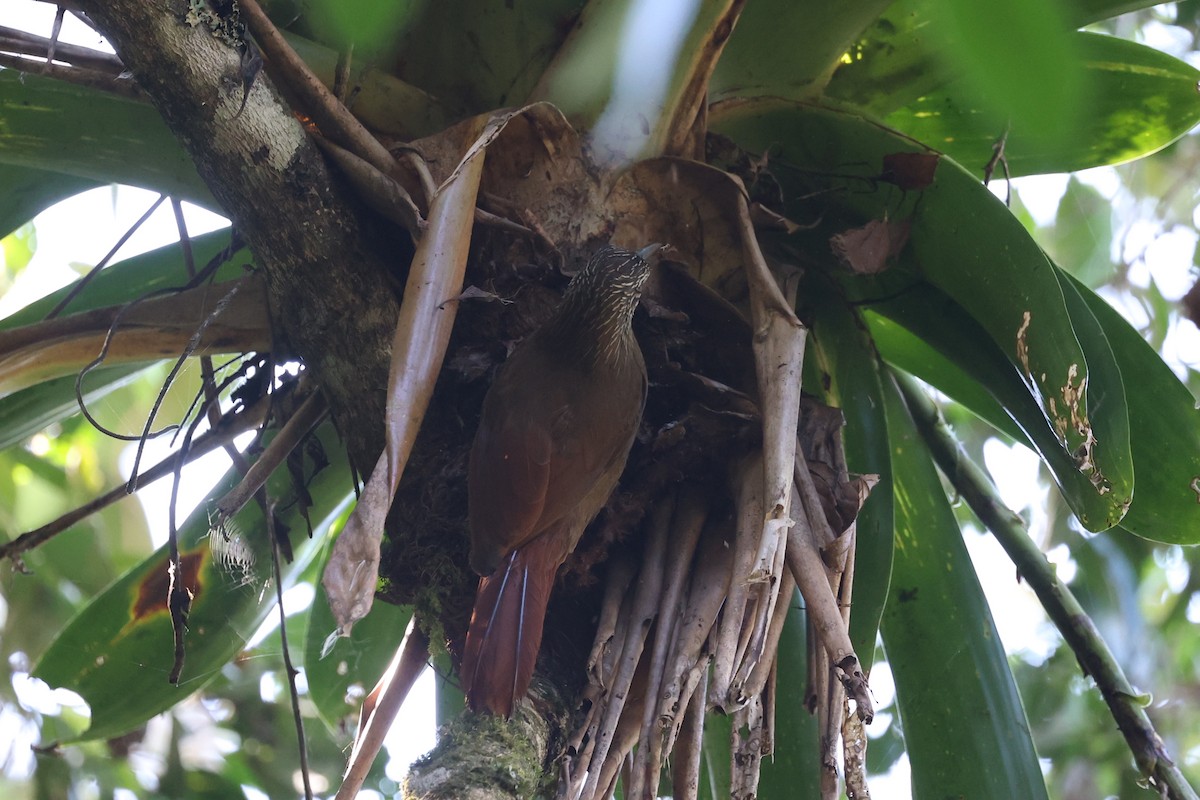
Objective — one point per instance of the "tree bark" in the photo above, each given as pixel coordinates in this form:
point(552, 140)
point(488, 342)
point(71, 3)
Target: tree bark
point(327, 262)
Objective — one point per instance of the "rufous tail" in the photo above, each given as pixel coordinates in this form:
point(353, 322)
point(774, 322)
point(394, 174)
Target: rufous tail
point(506, 627)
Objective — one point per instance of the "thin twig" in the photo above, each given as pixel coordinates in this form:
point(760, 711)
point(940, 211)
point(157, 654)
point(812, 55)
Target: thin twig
point(311, 412)
point(207, 373)
point(1076, 627)
point(79, 76)
point(82, 283)
point(15, 40)
point(334, 119)
point(59, 13)
point(232, 426)
point(301, 740)
point(192, 344)
point(409, 662)
point(95, 363)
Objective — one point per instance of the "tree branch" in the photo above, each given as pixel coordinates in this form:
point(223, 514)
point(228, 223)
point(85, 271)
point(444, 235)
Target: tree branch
point(327, 263)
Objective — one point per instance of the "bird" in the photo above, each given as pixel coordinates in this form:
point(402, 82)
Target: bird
point(554, 434)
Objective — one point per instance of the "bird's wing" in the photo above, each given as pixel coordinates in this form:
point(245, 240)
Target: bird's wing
point(508, 478)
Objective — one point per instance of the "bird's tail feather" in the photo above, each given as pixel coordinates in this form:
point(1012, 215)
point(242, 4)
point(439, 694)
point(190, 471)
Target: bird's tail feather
point(506, 627)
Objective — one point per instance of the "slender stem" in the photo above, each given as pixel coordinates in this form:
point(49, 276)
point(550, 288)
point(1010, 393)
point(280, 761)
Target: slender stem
point(1073, 623)
point(301, 741)
point(15, 40)
point(82, 283)
point(216, 437)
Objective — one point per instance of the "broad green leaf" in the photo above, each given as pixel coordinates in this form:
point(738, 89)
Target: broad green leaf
point(131, 278)
point(963, 241)
point(24, 413)
point(338, 682)
point(1081, 237)
point(60, 127)
point(25, 192)
point(1020, 62)
point(30, 410)
point(966, 732)
point(787, 48)
point(849, 371)
point(898, 59)
point(369, 25)
point(943, 327)
point(1140, 101)
point(118, 651)
point(716, 764)
point(917, 355)
point(1164, 435)
point(482, 55)
point(793, 769)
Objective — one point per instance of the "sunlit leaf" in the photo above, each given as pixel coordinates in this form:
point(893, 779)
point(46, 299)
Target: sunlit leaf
point(965, 243)
point(24, 413)
point(61, 127)
point(133, 277)
point(1021, 65)
point(788, 48)
point(1140, 100)
point(117, 652)
point(1081, 238)
point(1164, 433)
point(25, 192)
point(17, 248)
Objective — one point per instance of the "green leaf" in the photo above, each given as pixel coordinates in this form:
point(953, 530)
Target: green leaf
point(131, 278)
point(849, 369)
point(969, 356)
point(25, 192)
point(966, 732)
point(1081, 237)
point(480, 54)
point(117, 652)
point(788, 48)
point(793, 769)
point(30, 410)
point(966, 244)
point(1140, 100)
point(917, 355)
point(1165, 432)
point(16, 251)
point(716, 764)
point(24, 413)
point(1021, 64)
point(338, 682)
point(60, 127)
point(370, 25)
